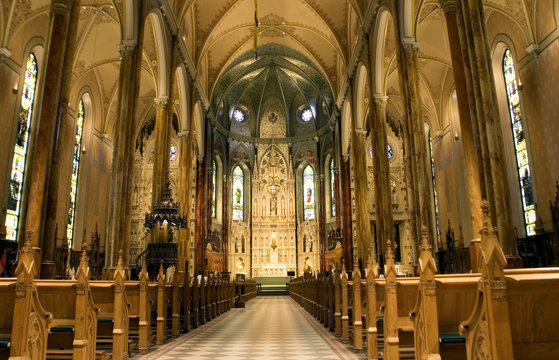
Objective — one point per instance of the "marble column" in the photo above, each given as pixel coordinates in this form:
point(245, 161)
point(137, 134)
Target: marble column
point(381, 173)
point(337, 157)
point(123, 152)
point(200, 215)
point(345, 203)
point(471, 27)
point(468, 122)
point(225, 221)
point(322, 241)
point(53, 109)
point(359, 153)
point(183, 189)
point(162, 146)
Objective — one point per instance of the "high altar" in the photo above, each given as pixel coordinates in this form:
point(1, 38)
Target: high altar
point(277, 245)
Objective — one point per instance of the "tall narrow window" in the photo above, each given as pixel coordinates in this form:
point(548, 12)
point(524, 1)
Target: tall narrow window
point(308, 192)
point(332, 188)
point(214, 182)
point(20, 148)
point(435, 197)
point(238, 189)
point(519, 140)
point(75, 173)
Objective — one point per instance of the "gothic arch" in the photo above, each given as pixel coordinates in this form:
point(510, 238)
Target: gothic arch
point(184, 97)
point(346, 126)
point(497, 54)
point(361, 104)
point(198, 121)
point(162, 49)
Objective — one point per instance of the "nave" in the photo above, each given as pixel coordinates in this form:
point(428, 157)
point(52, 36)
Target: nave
point(270, 327)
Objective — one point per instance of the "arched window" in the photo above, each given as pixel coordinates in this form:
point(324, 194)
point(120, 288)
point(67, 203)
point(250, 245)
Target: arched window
point(75, 173)
point(20, 148)
point(332, 187)
point(173, 153)
point(435, 197)
point(308, 192)
point(238, 192)
point(520, 148)
point(214, 182)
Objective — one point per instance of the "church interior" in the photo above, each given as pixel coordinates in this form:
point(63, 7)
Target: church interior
point(391, 165)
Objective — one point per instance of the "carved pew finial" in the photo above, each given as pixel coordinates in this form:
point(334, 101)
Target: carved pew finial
point(83, 269)
point(490, 316)
point(161, 274)
point(25, 271)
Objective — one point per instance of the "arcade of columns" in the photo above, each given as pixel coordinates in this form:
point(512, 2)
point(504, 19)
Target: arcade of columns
point(479, 122)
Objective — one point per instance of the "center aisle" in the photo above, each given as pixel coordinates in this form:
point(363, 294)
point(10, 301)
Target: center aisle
point(269, 327)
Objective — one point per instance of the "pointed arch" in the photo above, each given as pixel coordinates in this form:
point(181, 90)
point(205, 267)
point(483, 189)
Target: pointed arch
point(21, 147)
point(309, 191)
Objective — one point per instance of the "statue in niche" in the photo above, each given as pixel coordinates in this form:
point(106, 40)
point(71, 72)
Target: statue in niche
point(273, 205)
point(237, 245)
point(305, 243)
point(394, 195)
point(309, 244)
point(273, 117)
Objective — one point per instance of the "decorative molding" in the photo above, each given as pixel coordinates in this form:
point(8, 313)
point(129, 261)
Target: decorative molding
point(127, 47)
point(161, 102)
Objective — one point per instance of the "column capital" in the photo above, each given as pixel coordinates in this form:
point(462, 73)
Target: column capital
point(161, 102)
point(410, 43)
point(380, 99)
point(183, 134)
point(447, 5)
point(360, 133)
point(127, 47)
point(62, 6)
point(5, 54)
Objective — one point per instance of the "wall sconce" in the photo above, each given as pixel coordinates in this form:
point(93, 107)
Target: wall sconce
point(456, 137)
point(14, 90)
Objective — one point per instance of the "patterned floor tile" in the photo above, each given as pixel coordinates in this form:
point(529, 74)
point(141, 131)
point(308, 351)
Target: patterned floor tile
point(269, 327)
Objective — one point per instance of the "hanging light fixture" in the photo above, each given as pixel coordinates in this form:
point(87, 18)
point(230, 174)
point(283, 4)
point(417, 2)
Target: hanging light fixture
point(167, 211)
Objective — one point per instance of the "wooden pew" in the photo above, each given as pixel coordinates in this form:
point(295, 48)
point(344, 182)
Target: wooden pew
point(187, 302)
point(443, 301)
point(74, 329)
point(112, 324)
point(515, 314)
point(24, 323)
point(137, 294)
point(196, 284)
point(177, 298)
point(161, 320)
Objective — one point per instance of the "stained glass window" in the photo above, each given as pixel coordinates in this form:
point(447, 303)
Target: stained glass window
point(20, 148)
point(238, 115)
point(308, 192)
point(238, 189)
point(75, 172)
point(390, 152)
point(306, 115)
point(435, 197)
point(524, 175)
point(214, 182)
point(332, 188)
point(173, 153)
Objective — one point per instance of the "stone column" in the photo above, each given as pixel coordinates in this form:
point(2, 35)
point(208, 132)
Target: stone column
point(381, 171)
point(359, 138)
point(123, 152)
point(162, 146)
point(184, 197)
point(415, 142)
point(200, 215)
point(53, 109)
point(337, 157)
point(468, 122)
point(345, 202)
point(471, 28)
point(225, 220)
point(321, 221)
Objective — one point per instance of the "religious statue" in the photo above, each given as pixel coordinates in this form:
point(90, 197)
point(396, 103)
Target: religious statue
point(273, 206)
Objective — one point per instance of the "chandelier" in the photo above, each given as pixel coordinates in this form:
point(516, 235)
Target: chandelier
point(167, 211)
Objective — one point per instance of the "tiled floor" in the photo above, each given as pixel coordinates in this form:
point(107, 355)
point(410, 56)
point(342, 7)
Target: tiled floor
point(268, 328)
